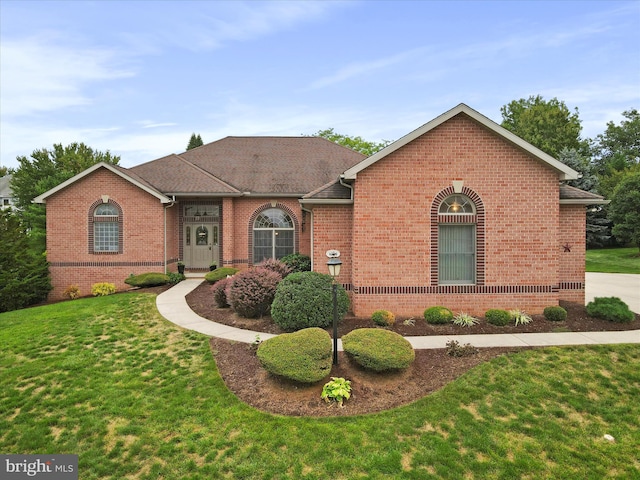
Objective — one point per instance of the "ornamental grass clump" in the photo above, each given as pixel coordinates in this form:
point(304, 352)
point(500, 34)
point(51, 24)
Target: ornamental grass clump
point(610, 308)
point(384, 318)
point(304, 356)
point(519, 317)
point(438, 315)
point(251, 292)
point(497, 317)
point(377, 349)
point(465, 320)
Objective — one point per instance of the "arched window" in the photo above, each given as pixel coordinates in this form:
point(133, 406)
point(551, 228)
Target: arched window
point(105, 229)
point(273, 235)
point(457, 241)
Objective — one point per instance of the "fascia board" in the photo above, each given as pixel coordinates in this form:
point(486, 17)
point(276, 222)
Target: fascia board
point(42, 198)
point(564, 172)
point(325, 201)
point(579, 201)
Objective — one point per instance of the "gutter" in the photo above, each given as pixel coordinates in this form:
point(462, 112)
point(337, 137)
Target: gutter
point(171, 204)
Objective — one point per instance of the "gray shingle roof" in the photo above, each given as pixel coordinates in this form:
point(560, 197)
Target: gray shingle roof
point(569, 194)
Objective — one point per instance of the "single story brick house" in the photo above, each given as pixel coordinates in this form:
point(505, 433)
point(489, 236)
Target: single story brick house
point(460, 212)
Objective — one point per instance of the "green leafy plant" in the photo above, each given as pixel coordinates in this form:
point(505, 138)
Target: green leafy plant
point(409, 322)
point(150, 279)
point(465, 320)
point(384, 318)
point(72, 292)
point(219, 274)
point(337, 389)
point(103, 289)
point(377, 349)
point(256, 343)
point(297, 262)
point(454, 349)
point(555, 314)
point(175, 278)
point(519, 317)
point(438, 315)
point(610, 308)
point(497, 317)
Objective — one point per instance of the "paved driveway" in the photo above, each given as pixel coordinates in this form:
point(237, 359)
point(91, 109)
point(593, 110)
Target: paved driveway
point(622, 285)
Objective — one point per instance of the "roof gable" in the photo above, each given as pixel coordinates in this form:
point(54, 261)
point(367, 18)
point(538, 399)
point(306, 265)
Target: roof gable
point(564, 172)
point(121, 172)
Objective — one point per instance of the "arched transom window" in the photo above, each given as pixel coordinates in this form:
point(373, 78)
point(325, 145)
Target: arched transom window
point(457, 204)
point(273, 235)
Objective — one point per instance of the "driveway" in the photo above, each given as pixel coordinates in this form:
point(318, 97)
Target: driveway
point(622, 285)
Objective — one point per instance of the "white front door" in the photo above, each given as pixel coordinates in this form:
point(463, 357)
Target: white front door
point(200, 244)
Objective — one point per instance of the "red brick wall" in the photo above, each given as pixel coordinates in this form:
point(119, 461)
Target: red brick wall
point(392, 229)
point(68, 234)
point(333, 231)
point(572, 251)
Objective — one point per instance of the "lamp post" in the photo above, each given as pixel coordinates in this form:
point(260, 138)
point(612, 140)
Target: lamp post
point(334, 264)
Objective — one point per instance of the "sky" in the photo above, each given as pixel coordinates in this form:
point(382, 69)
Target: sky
point(137, 78)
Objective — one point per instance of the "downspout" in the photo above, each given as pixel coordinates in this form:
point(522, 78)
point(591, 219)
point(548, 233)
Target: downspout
point(310, 221)
point(350, 187)
point(173, 202)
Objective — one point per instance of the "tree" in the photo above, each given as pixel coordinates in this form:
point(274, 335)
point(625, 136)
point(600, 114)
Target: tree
point(617, 149)
point(44, 170)
point(194, 141)
point(548, 125)
point(24, 276)
point(624, 210)
point(354, 143)
point(5, 171)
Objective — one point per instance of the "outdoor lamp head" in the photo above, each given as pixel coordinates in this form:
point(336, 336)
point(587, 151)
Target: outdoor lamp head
point(334, 266)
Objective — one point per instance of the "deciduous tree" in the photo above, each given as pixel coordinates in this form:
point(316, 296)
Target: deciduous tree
point(354, 143)
point(624, 210)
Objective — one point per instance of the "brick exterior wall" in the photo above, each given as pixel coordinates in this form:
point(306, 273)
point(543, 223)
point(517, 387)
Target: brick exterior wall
point(68, 234)
point(572, 248)
point(393, 241)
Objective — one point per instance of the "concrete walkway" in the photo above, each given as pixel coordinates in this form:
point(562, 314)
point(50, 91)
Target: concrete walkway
point(173, 306)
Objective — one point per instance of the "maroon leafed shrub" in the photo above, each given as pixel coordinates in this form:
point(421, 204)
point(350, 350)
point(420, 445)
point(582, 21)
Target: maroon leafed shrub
point(251, 292)
point(219, 290)
point(276, 266)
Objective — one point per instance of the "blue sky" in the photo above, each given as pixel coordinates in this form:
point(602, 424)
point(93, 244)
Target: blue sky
point(138, 77)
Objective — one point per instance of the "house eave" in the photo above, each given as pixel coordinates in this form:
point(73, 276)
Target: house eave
point(326, 201)
point(580, 201)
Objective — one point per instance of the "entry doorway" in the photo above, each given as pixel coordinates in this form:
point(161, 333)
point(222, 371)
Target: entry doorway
point(201, 244)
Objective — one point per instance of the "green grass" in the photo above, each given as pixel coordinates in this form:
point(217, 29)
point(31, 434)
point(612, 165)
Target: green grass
point(138, 398)
point(613, 260)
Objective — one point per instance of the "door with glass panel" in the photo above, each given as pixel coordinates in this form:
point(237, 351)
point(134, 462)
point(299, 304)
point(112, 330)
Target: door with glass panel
point(200, 236)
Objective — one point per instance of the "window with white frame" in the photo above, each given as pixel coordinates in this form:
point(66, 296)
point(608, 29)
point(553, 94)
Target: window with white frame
point(273, 235)
point(457, 241)
point(106, 228)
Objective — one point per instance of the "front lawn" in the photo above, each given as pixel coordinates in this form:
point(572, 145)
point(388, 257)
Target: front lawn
point(613, 260)
point(137, 397)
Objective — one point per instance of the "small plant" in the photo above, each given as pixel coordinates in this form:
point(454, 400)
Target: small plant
point(103, 289)
point(175, 278)
point(438, 315)
point(555, 314)
point(219, 290)
point(454, 349)
point(610, 308)
point(410, 322)
point(72, 292)
point(519, 317)
point(337, 389)
point(219, 274)
point(497, 317)
point(256, 343)
point(384, 318)
point(465, 320)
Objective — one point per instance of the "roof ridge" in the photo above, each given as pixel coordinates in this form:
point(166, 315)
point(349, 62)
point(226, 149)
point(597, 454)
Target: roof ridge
point(209, 174)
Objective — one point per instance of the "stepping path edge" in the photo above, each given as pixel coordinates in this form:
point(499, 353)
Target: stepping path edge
point(173, 306)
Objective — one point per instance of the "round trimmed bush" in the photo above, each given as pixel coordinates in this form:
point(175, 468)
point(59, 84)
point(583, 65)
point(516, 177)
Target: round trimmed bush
point(151, 279)
point(304, 356)
point(219, 274)
point(438, 315)
point(305, 299)
point(251, 292)
point(297, 262)
point(384, 318)
point(497, 317)
point(378, 350)
point(610, 308)
point(219, 290)
point(555, 314)
point(277, 266)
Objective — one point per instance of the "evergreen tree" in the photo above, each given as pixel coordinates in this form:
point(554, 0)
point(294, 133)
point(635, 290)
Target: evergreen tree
point(195, 141)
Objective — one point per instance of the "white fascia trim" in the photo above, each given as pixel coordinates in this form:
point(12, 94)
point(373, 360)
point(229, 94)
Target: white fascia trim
point(564, 172)
point(42, 198)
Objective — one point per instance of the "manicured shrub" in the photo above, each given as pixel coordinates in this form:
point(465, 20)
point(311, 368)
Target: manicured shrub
point(438, 315)
point(219, 274)
point(384, 318)
point(251, 292)
point(151, 279)
point(555, 313)
point(72, 292)
point(610, 308)
point(305, 299)
point(377, 349)
point(277, 266)
point(297, 262)
point(219, 290)
point(103, 289)
point(304, 356)
point(175, 278)
point(497, 317)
